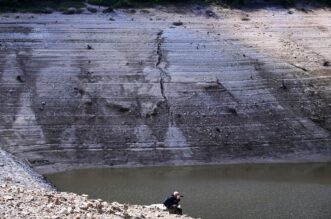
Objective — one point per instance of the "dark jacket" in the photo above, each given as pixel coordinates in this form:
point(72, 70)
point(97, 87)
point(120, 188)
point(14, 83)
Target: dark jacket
point(171, 201)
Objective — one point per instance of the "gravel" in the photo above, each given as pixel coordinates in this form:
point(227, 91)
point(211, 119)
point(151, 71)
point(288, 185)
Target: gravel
point(24, 194)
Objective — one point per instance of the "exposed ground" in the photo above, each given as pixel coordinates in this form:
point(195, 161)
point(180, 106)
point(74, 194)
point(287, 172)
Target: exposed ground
point(166, 86)
point(16, 173)
point(22, 202)
point(24, 194)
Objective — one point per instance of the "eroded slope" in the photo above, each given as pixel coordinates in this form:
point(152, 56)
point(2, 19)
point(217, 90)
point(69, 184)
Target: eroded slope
point(83, 90)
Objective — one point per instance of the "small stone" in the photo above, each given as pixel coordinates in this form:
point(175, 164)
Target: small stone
point(8, 197)
point(70, 11)
point(245, 19)
point(92, 10)
point(210, 13)
point(177, 23)
point(25, 212)
point(108, 10)
point(9, 179)
point(19, 190)
point(83, 206)
point(132, 11)
point(90, 205)
point(51, 205)
point(46, 11)
point(20, 78)
point(283, 85)
point(63, 211)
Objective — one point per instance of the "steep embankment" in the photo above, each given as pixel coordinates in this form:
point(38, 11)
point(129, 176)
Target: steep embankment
point(132, 88)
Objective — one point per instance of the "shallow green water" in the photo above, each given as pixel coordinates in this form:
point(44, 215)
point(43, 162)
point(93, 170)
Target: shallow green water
point(214, 192)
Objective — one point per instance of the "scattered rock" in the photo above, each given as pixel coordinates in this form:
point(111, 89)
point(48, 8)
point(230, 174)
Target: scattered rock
point(210, 13)
point(83, 206)
point(20, 78)
point(92, 10)
point(57, 201)
point(305, 10)
point(8, 179)
point(70, 11)
point(283, 86)
point(63, 211)
point(47, 11)
point(145, 11)
point(132, 11)
point(8, 197)
point(232, 111)
point(79, 90)
point(89, 47)
point(316, 118)
point(326, 64)
point(177, 23)
point(44, 11)
point(248, 146)
point(108, 10)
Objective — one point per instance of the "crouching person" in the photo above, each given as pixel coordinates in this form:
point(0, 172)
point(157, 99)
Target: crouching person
point(172, 203)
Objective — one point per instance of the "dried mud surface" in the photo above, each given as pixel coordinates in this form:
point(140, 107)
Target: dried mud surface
point(165, 86)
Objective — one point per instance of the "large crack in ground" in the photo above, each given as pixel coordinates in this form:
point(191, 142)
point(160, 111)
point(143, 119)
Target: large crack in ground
point(163, 72)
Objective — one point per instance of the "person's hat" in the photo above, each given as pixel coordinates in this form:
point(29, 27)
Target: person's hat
point(176, 193)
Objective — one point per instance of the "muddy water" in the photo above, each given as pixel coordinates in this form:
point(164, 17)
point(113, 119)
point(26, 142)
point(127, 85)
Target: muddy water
point(214, 192)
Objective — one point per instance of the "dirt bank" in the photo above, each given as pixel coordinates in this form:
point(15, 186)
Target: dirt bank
point(15, 172)
point(24, 194)
point(22, 202)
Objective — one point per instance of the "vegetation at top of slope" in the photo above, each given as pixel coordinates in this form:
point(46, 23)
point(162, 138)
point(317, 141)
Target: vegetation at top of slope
point(229, 3)
point(39, 6)
point(47, 6)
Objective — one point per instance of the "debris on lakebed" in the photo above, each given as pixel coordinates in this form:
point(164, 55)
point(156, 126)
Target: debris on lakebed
point(18, 201)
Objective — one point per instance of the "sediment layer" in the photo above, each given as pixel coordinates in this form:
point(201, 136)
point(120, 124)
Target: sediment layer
point(134, 88)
